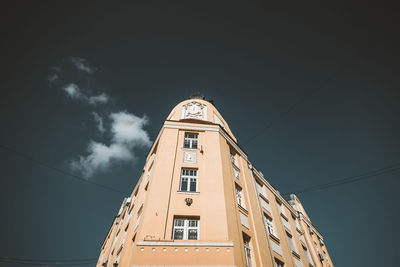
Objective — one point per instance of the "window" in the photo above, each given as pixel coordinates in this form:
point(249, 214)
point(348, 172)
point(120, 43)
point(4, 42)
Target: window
point(291, 243)
point(186, 229)
point(138, 221)
point(233, 159)
point(236, 173)
point(149, 171)
point(281, 209)
point(278, 263)
point(239, 197)
point(260, 189)
point(190, 140)
point(247, 250)
point(270, 225)
point(310, 262)
point(188, 180)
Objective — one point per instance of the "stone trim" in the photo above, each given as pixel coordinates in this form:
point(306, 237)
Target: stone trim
point(183, 244)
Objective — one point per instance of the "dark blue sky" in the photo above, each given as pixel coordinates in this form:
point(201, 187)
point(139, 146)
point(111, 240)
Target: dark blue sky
point(253, 59)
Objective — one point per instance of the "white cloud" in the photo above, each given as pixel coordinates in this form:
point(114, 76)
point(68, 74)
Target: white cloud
point(127, 134)
point(99, 122)
point(99, 99)
point(82, 64)
point(75, 92)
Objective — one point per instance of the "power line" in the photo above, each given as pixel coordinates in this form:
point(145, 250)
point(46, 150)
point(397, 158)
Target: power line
point(71, 175)
point(48, 262)
point(347, 180)
point(291, 107)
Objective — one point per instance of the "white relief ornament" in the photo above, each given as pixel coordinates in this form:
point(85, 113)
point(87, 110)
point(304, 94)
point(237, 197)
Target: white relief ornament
point(189, 157)
point(194, 110)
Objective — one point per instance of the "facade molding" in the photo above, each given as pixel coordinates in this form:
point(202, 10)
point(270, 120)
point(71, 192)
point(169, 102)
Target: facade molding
point(183, 244)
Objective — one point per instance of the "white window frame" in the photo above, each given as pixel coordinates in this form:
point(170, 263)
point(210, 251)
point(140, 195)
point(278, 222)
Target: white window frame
point(233, 159)
point(149, 170)
point(247, 250)
point(236, 173)
point(191, 140)
point(186, 227)
point(291, 242)
point(308, 256)
point(270, 225)
point(186, 174)
point(239, 196)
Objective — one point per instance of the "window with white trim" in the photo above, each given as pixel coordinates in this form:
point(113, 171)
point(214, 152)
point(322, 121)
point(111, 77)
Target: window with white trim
point(270, 225)
point(309, 260)
point(188, 180)
point(239, 197)
point(247, 250)
point(291, 243)
point(233, 159)
point(191, 140)
point(186, 229)
point(280, 208)
point(149, 170)
point(236, 173)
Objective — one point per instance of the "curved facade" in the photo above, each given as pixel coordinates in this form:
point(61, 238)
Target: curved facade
point(200, 202)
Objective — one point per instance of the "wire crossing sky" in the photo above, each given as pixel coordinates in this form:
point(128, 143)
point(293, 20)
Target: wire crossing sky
point(75, 75)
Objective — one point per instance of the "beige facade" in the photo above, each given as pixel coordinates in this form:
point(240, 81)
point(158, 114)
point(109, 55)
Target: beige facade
point(200, 202)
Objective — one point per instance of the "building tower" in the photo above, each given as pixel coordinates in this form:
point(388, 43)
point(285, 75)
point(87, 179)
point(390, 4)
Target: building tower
point(200, 202)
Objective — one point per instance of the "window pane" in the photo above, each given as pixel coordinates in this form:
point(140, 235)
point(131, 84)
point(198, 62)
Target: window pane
point(193, 223)
point(179, 222)
point(192, 234)
point(194, 144)
point(178, 234)
point(186, 144)
point(184, 184)
point(193, 183)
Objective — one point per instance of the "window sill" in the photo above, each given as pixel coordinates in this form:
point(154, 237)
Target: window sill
point(192, 149)
point(276, 239)
point(264, 197)
point(284, 217)
point(243, 209)
point(188, 192)
point(296, 254)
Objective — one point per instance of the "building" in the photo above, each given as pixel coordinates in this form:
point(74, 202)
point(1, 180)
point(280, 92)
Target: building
point(200, 202)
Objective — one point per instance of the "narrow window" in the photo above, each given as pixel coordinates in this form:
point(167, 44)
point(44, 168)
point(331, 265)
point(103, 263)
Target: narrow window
point(291, 243)
point(186, 229)
point(247, 249)
point(191, 140)
point(236, 173)
point(270, 225)
point(188, 180)
point(307, 256)
point(239, 197)
point(233, 159)
point(149, 171)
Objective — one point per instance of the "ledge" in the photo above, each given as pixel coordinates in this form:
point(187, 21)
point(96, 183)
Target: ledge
point(188, 192)
point(264, 197)
point(276, 239)
point(243, 209)
point(296, 254)
point(183, 244)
